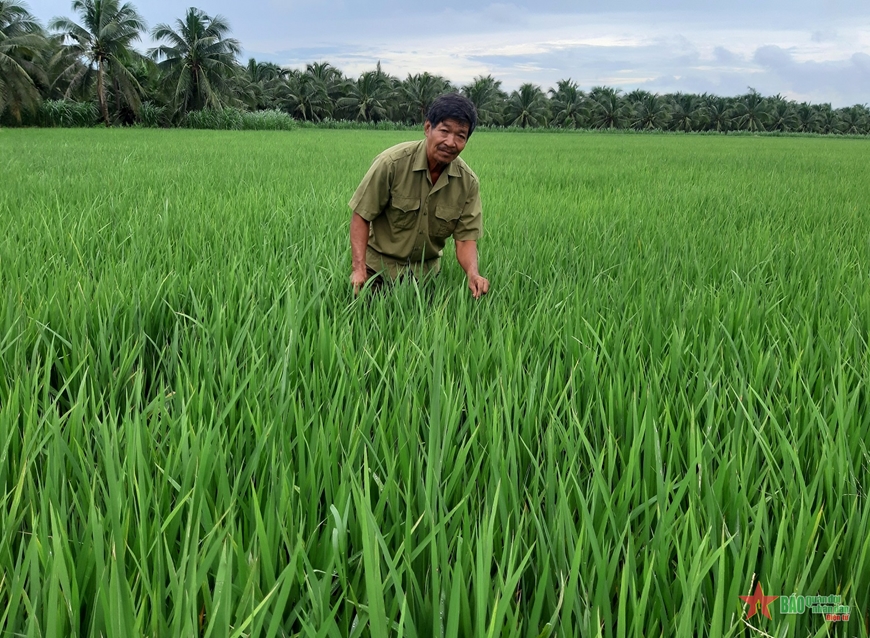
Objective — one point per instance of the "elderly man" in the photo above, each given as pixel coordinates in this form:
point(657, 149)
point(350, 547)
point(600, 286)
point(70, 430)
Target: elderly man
point(415, 196)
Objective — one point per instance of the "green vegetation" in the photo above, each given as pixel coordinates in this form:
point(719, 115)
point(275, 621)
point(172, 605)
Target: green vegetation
point(662, 401)
point(195, 67)
point(101, 47)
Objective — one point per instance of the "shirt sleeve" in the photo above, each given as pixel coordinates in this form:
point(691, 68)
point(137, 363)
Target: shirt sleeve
point(470, 226)
point(373, 192)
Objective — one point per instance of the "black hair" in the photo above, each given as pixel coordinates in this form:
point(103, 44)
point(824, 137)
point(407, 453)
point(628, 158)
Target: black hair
point(453, 106)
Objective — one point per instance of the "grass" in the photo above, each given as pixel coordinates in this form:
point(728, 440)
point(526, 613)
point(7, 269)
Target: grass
point(662, 401)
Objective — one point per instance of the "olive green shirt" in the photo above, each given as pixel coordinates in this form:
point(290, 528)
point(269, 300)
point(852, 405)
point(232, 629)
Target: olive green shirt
point(410, 218)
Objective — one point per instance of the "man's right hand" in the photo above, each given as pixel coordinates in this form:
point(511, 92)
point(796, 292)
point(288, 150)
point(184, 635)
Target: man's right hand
point(358, 278)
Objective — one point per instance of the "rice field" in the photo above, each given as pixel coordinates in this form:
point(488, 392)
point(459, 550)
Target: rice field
point(661, 403)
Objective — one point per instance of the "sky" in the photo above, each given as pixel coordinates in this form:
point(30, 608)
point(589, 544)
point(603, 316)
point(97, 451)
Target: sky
point(816, 51)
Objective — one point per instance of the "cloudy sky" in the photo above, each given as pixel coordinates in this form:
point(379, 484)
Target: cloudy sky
point(814, 50)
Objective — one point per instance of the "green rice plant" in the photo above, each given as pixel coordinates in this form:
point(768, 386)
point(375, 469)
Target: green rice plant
point(661, 403)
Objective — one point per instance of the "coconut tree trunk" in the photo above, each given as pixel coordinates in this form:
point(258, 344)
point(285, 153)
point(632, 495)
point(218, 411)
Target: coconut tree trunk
point(101, 93)
point(197, 98)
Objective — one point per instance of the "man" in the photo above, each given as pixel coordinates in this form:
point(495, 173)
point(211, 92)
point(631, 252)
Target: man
point(415, 196)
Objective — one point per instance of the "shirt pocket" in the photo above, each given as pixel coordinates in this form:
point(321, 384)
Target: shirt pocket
point(403, 212)
point(445, 220)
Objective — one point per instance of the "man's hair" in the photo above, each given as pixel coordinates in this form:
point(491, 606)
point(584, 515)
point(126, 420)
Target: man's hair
point(453, 106)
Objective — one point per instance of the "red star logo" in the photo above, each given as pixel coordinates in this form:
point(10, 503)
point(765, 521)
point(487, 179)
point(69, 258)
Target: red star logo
point(758, 598)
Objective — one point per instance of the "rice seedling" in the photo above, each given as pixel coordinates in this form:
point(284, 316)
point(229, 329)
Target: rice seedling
point(661, 403)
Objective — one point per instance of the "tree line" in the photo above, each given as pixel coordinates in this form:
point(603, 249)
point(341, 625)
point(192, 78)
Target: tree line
point(87, 69)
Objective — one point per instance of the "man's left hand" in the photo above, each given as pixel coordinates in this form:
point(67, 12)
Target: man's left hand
point(478, 286)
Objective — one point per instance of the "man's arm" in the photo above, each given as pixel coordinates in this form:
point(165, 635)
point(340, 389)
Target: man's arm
point(466, 254)
point(368, 201)
point(359, 241)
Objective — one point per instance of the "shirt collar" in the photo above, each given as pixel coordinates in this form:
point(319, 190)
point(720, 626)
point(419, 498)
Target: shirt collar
point(420, 161)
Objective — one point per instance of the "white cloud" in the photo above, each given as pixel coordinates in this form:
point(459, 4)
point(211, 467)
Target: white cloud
point(795, 47)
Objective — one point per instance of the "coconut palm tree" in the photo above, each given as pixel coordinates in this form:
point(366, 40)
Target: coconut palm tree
point(854, 120)
point(608, 108)
point(61, 66)
point(636, 96)
point(649, 111)
point(527, 106)
point(259, 84)
point(687, 112)
point(807, 118)
point(305, 97)
point(781, 115)
point(488, 98)
point(198, 60)
point(418, 91)
point(332, 80)
point(828, 120)
point(750, 112)
point(719, 112)
point(103, 41)
point(21, 41)
point(368, 98)
point(568, 105)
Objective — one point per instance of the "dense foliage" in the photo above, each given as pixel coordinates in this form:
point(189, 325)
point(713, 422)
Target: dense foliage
point(195, 66)
point(663, 400)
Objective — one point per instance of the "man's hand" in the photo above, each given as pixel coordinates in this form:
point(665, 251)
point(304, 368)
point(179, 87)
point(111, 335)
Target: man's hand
point(466, 254)
point(478, 286)
point(358, 278)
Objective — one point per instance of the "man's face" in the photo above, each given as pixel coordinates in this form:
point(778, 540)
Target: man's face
point(445, 141)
